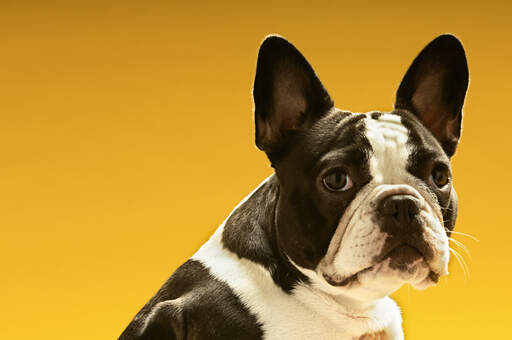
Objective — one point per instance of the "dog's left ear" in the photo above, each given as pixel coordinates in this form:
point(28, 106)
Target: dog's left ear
point(434, 88)
point(287, 95)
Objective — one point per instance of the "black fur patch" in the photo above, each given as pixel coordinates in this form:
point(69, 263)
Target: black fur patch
point(250, 233)
point(210, 310)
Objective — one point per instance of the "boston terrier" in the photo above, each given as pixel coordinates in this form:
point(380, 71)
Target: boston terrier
point(359, 204)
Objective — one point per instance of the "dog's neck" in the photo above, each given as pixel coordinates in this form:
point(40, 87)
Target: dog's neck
point(250, 232)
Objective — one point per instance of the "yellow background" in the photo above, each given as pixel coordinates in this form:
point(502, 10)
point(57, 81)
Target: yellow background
point(126, 137)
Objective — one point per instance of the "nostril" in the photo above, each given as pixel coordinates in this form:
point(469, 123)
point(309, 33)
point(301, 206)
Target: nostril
point(413, 207)
point(400, 208)
point(389, 208)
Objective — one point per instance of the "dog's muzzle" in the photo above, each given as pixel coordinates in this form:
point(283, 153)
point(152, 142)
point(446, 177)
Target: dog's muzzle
point(390, 230)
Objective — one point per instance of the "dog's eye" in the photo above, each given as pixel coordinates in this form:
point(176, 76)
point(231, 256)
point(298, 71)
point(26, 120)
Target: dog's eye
point(337, 180)
point(440, 175)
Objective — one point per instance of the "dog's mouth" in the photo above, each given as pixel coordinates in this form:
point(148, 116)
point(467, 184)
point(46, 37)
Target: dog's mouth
point(345, 282)
point(400, 258)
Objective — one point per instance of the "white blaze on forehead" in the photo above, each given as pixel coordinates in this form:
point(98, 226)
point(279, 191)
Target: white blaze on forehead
point(388, 138)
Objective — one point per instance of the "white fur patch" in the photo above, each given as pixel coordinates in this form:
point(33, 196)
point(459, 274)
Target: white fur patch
point(388, 138)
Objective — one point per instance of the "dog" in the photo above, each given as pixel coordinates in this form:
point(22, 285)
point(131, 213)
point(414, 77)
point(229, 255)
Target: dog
point(359, 204)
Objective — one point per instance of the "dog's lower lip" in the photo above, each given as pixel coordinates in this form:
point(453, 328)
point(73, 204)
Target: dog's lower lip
point(339, 283)
point(345, 282)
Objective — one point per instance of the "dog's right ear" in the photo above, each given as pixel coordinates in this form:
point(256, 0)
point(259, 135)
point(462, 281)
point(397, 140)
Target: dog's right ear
point(288, 96)
point(434, 89)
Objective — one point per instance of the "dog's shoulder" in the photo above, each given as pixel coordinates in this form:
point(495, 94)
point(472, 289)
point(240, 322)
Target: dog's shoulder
point(192, 304)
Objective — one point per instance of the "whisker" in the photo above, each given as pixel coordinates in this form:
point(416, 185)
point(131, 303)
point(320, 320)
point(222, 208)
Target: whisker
point(462, 246)
point(474, 238)
point(460, 263)
point(463, 265)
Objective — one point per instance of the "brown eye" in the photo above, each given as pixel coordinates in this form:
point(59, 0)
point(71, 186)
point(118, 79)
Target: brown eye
point(337, 180)
point(440, 175)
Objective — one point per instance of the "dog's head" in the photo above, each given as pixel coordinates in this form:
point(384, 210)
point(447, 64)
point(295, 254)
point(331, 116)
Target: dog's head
point(366, 201)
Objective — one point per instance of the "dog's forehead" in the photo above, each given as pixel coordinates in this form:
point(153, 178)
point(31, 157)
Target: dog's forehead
point(387, 141)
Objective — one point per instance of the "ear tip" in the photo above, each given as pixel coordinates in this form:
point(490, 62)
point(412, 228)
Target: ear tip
point(272, 38)
point(449, 37)
point(275, 41)
point(448, 41)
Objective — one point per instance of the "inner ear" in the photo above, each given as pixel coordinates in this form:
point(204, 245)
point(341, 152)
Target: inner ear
point(287, 94)
point(442, 119)
point(434, 89)
point(287, 105)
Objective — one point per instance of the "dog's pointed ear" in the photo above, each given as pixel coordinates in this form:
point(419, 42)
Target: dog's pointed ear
point(287, 95)
point(434, 88)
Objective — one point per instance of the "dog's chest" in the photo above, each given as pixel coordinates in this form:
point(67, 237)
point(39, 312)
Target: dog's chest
point(303, 314)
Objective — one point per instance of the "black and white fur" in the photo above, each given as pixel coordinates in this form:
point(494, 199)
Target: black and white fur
point(295, 260)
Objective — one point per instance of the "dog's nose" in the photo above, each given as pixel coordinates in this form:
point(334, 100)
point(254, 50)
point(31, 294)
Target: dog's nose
point(400, 208)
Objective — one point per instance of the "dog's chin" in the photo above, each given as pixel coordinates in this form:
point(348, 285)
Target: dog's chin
point(403, 264)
